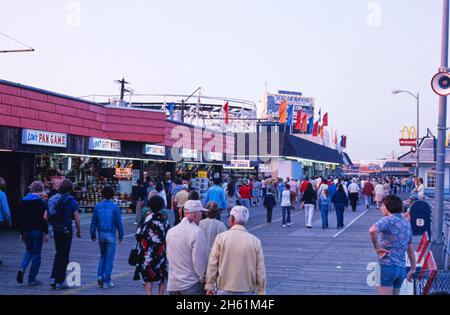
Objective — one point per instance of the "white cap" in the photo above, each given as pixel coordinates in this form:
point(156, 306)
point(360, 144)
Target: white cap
point(193, 206)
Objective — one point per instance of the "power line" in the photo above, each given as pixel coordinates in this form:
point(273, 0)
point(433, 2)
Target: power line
point(30, 49)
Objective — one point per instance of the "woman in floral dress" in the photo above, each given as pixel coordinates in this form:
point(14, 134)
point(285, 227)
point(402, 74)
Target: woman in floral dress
point(151, 238)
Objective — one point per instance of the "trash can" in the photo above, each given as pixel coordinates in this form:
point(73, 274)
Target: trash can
point(427, 284)
point(420, 213)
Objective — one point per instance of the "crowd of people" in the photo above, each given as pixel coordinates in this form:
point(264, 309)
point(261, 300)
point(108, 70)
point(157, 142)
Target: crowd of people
point(196, 255)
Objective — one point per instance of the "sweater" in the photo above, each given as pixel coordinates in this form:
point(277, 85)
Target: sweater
point(30, 216)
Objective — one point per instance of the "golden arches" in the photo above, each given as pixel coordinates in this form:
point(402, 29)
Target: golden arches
point(409, 133)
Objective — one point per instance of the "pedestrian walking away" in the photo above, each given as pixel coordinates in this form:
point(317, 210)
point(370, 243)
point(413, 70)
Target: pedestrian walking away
point(211, 226)
point(107, 220)
point(33, 231)
point(152, 264)
point(139, 199)
point(236, 264)
point(216, 194)
point(286, 206)
point(187, 253)
point(324, 203)
point(269, 203)
point(5, 214)
point(353, 194)
point(308, 201)
point(62, 210)
point(340, 201)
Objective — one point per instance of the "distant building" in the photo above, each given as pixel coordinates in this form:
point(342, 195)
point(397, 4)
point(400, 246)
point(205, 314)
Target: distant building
point(427, 163)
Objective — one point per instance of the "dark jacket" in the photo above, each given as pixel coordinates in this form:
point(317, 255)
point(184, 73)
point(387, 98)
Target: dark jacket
point(269, 201)
point(340, 198)
point(30, 216)
point(139, 193)
point(309, 198)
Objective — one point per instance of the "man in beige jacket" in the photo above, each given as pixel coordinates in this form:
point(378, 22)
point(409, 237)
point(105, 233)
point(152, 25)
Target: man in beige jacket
point(236, 262)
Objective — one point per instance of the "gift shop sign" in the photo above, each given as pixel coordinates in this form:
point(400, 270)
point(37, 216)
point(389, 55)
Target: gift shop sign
point(104, 145)
point(44, 138)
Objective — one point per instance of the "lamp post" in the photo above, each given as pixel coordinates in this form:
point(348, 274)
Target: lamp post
point(417, 97)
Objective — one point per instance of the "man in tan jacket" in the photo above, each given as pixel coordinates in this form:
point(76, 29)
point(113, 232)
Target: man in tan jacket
point(236, 262)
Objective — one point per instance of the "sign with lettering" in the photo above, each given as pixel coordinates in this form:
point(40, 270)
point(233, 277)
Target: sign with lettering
point(189, 154)
point(99, 144)
point(295, 100)
point(150, 149)
point(214, 156)
point(240, 163)
point(124, 173)
point(44, 138)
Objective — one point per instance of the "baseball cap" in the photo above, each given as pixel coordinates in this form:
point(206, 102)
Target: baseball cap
point(194, 206)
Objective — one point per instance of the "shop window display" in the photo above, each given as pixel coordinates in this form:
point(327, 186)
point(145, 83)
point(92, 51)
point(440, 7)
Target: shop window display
point(89, 176)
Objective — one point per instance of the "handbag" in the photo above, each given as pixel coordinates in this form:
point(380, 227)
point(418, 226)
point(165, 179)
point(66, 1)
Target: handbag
point(133, 257)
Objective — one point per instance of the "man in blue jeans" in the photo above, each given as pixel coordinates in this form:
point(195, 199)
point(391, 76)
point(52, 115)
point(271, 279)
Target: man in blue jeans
point(395, 241)
point(107, 220)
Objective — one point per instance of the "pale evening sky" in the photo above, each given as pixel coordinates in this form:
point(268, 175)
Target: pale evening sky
point(349, 54)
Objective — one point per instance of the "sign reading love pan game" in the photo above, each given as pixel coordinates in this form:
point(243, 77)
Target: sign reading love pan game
point(44, 138)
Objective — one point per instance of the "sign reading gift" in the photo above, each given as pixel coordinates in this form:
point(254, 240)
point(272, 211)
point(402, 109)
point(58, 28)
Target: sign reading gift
point(99, 144)
point(150, 149)
point(44, 138)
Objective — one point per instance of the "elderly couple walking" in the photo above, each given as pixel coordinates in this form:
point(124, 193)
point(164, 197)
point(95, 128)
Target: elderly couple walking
point(236, 262)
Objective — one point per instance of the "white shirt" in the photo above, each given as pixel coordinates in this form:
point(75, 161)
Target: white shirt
point(286, 198)
point(379, 189)
point(353, 188)
point(187, 256)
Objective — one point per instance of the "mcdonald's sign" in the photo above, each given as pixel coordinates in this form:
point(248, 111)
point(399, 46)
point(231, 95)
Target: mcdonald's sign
point(409, 137)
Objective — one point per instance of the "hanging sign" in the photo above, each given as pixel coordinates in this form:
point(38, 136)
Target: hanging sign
point(44, 138)
point(99, 144)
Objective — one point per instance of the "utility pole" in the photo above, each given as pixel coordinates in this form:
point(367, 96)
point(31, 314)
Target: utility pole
point(437, 243)
point(122, 87)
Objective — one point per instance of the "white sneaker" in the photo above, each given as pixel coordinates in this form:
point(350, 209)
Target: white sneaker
point(284, 225)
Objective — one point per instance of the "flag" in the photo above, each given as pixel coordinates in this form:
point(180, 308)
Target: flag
point(316, 129)
point(343, 141)
point(305, 123)
point(320, 116)
point(290, 114)
point(226, 108)
point(311, 125)
point(283, 114)
point(321, 131)
point(325, 120)
point(335, 138)
point(298, 121)
point(170, 108)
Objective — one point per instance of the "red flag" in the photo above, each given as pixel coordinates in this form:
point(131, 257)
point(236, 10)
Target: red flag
point(325, 120)
point(226, 108)
point(316, 129)
point(299, 120)
point(283, 112)
point(345, 141)
point(305, 123)
point(335, 137)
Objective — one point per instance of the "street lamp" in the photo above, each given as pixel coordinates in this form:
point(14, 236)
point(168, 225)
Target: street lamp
point(417, 97)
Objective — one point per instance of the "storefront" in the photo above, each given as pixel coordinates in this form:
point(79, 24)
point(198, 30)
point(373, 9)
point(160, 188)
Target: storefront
point(241, 170)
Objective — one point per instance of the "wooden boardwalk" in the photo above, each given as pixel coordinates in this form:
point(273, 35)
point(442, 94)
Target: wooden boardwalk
point(298, 260)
